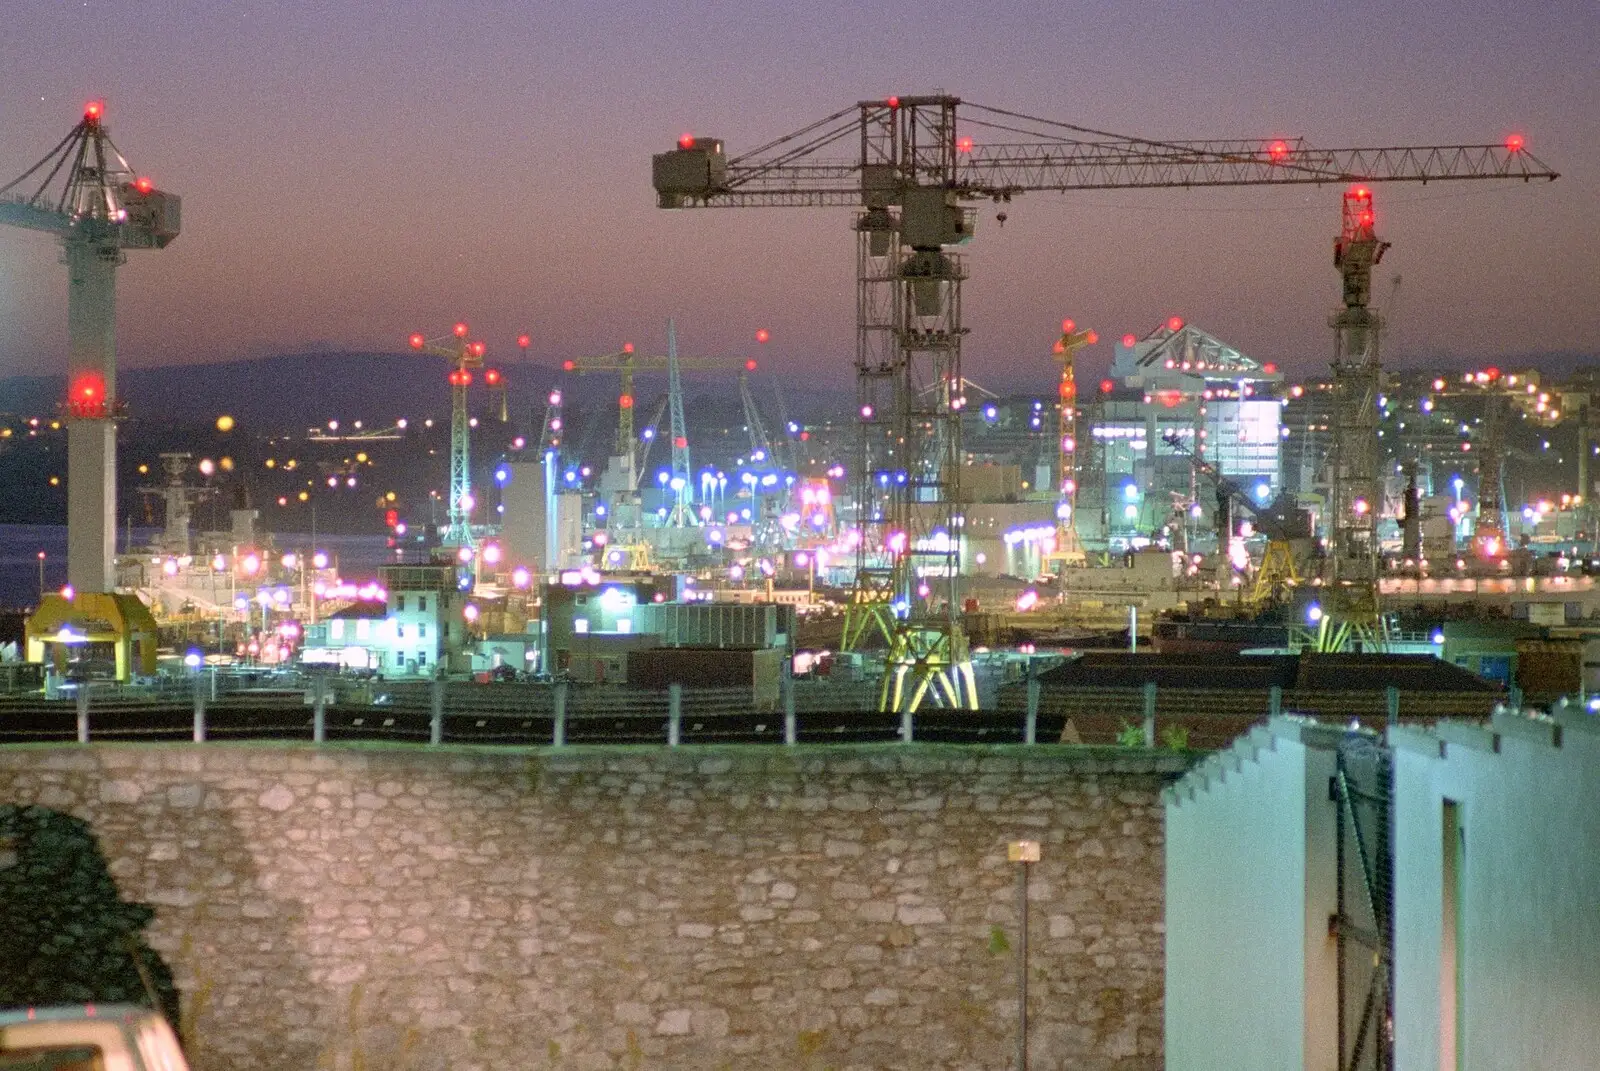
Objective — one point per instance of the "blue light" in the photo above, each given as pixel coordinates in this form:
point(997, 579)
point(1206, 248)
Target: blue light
point(662, 477)
point(1262, 491)
point(599, 509)
point(502, 475)
point(1438, 637)
point(1130, 491)
point(649, 433)
point(572, 477)
point(990, 413)
point(1313, 613)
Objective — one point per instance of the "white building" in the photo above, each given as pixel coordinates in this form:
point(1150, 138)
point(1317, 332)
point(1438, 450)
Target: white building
point(1469, 921)
point(424, 626)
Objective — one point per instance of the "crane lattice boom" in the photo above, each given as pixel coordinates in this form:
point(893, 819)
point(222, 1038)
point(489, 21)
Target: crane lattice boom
point(1029, 154)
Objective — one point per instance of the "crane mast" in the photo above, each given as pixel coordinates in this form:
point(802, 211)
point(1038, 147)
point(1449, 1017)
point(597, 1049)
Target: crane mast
point(464, 356)
point(88, 196)
point(909, 171)
point(1068, 549)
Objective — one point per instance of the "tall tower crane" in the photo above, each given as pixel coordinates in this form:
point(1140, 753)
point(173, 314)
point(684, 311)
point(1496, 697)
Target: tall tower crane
point(1068, 549)
point(911, 169)
point(88, 196)
point(465, 357)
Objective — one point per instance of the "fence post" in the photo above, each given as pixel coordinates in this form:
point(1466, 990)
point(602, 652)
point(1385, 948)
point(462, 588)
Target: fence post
point(791, 725)
point(1275, 700)
point(319, 710)
point(674, 714)
point(558, 731)
point(83, 712)
point(1149, 713)
point(1030, 727)
point(905, 727)
point(199, 710)
point(1391, 696)
point(436, 712)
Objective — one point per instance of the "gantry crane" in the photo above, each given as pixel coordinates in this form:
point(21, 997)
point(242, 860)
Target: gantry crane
point(910, 171)
point(89, 197)
point(465, 356)
point(627, 363)
point(1068, 549)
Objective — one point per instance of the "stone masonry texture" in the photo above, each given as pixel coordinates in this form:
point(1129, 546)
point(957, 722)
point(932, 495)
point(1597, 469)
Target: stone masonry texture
point(361, 908)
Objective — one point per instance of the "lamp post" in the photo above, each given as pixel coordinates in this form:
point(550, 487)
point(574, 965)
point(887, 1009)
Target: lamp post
point(1023, 853)
point(41, 576)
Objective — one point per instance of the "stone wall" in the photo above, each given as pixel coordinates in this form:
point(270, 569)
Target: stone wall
point(392, 909)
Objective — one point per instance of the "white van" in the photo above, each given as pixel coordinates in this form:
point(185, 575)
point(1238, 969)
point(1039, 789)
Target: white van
point(88, 1037)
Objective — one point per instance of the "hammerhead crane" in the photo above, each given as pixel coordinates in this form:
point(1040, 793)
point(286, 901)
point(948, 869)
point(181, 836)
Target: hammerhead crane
point(465, 357)
point(90, 198)
point(627, 363)
point(910, 172)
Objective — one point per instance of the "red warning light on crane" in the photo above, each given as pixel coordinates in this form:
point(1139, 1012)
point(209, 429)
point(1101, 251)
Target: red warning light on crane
point(1059, 347)
point(1175, 324)
point(963, 144)
point(143, 185)
point(625, 401)
point(1361, 193)
point(94, 109)
point(1128, 340)
point(524, 341)
point(627, 347)
point(750, 365)
point(1067, 327)
point(680, 442)
point(1270, 369)
point(477, 349)
point(567, 366)
point(417, 340)
point(1492, 372)
point(1278, 150)
point(1091, 337)
point(686, 141)
point(491, 376)
point(391, 517)
point(460, 330)
point(894, 102)
point(762, 335)
point(1107, 386)
point(1515, 143)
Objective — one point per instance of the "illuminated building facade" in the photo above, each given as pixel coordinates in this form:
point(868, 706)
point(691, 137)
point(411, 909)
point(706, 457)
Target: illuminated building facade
point(1179, 382)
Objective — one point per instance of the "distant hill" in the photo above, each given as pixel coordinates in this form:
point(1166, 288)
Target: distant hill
point(294, 391)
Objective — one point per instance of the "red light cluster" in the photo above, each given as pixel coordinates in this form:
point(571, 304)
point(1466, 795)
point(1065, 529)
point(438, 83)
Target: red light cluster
point(87, 397)
point(460, 378)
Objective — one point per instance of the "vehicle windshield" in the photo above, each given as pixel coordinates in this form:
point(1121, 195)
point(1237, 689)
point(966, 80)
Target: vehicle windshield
point(52, 1058)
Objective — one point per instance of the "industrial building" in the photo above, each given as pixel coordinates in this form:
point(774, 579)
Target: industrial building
point(1423, 899)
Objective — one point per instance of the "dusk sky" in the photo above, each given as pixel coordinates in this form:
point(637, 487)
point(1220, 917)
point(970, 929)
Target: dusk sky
point(352, 171)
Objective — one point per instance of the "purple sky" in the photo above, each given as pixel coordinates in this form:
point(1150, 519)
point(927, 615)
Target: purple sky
point(353, 170)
